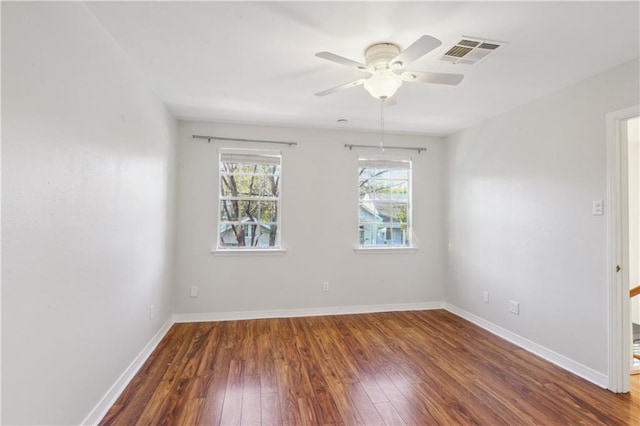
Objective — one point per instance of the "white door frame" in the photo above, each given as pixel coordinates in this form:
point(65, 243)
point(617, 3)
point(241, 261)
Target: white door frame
point(617, 250)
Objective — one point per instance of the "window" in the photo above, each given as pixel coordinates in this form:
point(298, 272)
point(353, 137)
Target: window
point(384, 207)
point(249, 216)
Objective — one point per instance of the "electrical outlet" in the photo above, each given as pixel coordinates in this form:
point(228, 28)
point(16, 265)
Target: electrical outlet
point(151, 312)
point(194, 291)
point(325, 286)
point(485, 297)
point(597, 207)
point(514, 307)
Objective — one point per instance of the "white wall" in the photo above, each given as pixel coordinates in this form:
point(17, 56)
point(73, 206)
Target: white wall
point(520, 226)
point(319, 222)
point(633, 151)
point(87, 212)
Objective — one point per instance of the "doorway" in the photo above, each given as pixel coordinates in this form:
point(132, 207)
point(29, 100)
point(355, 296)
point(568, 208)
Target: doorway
point(633, 190)
point(623, 247)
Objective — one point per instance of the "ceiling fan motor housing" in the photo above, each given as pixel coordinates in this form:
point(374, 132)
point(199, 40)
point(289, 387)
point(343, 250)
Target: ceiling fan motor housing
point(379, 55)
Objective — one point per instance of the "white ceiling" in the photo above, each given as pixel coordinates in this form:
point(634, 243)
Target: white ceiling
point(254, 62)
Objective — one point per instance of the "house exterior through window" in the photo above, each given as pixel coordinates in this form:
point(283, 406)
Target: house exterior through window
point(249, 202)
point(384, 207)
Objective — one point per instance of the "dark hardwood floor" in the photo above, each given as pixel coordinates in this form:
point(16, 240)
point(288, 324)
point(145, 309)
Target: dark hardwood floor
point(415, 368)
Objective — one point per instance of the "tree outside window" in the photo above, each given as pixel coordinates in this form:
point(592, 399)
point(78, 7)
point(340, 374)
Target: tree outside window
point(249, 200)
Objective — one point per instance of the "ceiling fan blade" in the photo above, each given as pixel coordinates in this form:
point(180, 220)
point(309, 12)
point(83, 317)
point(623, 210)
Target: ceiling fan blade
point(432, 77)
point(341, 60)
point(341, 87)
point(419, 48)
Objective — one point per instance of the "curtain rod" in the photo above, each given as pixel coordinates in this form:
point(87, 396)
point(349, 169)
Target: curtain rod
point(210, 138)
point(411, 148)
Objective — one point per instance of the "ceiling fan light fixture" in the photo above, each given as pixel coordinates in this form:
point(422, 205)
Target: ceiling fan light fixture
point(383, 84)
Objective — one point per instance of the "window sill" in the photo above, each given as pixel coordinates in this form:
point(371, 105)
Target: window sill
point(248, 252)
point(380, 250)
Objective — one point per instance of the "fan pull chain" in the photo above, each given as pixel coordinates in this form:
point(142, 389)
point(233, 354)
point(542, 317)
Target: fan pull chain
point(382, 125)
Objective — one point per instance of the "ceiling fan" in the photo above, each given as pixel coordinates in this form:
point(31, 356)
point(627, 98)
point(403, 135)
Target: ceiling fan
point(387, 65)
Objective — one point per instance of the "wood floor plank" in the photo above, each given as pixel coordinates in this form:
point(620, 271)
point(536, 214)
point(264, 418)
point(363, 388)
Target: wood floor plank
point(421, 367)
point(316, 385)
point(266, 362)
point(366, 408)
point(270, 409)
point(389, 414)
point(213, 374)
point(251, 402)
point(189, 415)
point(374, 392)
point(400, 403)
point(345, 406)
point(211, 411)
point(232, 406)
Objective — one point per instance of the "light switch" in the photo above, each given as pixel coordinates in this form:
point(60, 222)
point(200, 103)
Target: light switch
point(597, 208)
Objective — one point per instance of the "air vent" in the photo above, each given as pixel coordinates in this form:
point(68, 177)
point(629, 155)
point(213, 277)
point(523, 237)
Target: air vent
point(471, 51)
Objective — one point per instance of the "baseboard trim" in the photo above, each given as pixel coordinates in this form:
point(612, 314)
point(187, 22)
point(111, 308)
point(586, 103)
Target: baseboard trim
point(101, 408)
point(561, 361)
point(308, 312)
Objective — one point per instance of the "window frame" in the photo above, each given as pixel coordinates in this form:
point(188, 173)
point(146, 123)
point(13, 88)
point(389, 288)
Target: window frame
point(410, 239)
point(218, 247)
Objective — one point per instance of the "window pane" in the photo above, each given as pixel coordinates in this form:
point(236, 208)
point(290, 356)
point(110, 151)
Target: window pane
point(368, 235)
point(248, 211)
point(227, 185)
point(252, 235)
point(228, 168)
point(257, 189)
point(268, 234)
point(400, 237)
point(367, 190)
point(270, 169)
point(380, 173)
point(253, 185)
point(366, 172)
point(367, 212)
point(381, 234)
point(246, 184)
point(248, 168)
point(381, 187)
point(237, 185)
point(397, 212)
point(268, 211)
point(400, 189)
point(229, 211)
point(366, 187)
point(270, 186)
point(399, 174)
point(230, 235)
point(247, 235)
